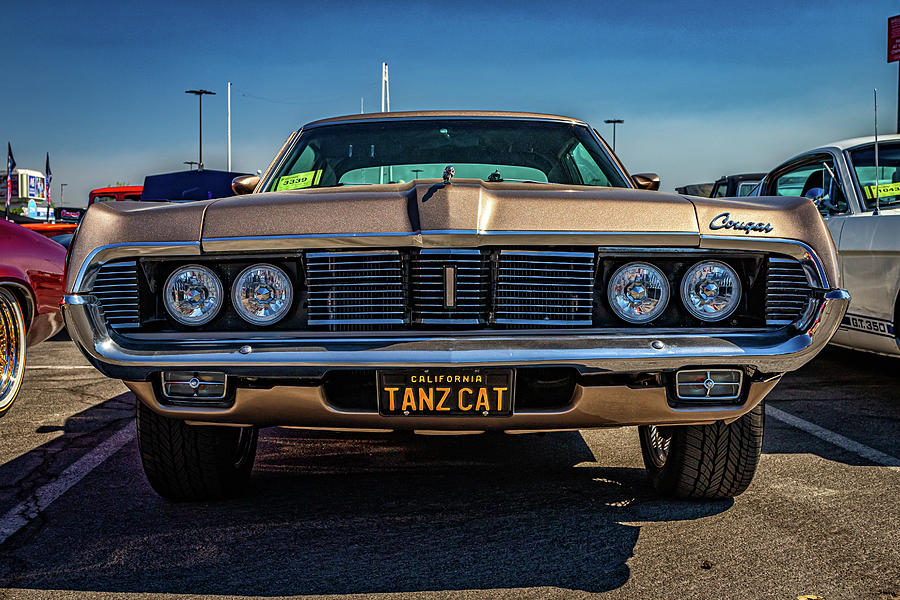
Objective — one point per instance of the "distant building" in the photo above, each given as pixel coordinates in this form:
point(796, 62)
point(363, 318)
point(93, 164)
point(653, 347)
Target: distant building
point(27, 185)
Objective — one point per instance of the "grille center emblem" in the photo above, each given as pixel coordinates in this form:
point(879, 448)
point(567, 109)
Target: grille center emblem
point(449, 286)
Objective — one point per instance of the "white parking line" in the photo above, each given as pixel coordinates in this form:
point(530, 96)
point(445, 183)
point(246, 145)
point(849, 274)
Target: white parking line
point(20, 515)
point(831, 437)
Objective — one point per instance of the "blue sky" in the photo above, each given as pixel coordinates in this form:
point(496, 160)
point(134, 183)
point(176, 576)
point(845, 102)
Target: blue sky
point(705, 88)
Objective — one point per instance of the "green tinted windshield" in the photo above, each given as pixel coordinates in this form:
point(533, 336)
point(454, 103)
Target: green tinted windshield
point(397, 151)
point(863, 160)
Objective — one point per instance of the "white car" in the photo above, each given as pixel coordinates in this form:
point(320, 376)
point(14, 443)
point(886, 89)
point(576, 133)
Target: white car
point(840, 179)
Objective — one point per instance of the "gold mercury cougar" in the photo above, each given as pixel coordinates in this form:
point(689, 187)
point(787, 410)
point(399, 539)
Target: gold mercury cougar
point(452, 271)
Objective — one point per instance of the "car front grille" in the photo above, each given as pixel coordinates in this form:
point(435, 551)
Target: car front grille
point(458, 289)
point(450, 287)
point(787, 291)
point(355, 288)
point(544, 288)
point(116, 287)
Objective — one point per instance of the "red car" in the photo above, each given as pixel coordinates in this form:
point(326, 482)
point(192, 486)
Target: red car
point(31, 286)
point(117, 193)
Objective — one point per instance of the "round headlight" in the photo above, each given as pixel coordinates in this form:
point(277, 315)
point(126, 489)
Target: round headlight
point(193, 295)
point(262, 294)
point(711, 290)
point(638, 292)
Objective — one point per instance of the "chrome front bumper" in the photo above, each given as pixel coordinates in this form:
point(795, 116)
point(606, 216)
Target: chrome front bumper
point(138, 358)
point(302, 359)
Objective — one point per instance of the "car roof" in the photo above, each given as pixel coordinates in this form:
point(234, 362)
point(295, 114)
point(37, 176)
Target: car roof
point(446, 114)
point(859, 141)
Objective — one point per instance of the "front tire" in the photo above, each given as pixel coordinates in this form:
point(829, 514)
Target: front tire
point(12, 350)
point(187, 462)
point(704, 461)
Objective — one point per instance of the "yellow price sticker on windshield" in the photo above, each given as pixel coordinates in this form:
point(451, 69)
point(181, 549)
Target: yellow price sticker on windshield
point(299, 180)
point(887, 189)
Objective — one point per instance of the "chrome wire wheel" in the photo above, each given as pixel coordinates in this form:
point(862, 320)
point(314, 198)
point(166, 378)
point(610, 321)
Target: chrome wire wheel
point(657, 443)
point(12, 349)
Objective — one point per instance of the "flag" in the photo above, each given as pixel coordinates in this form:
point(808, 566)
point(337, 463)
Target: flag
point(10, 165)
point(49, 176)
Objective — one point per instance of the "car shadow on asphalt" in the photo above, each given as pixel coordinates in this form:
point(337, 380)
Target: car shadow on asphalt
point(339, 514)
point(851, 393)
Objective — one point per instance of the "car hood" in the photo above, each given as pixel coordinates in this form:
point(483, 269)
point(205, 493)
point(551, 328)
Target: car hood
point(430, 207)
point(465, 212)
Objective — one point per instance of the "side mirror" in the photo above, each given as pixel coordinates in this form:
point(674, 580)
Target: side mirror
point(646, 181)
point(245, 184)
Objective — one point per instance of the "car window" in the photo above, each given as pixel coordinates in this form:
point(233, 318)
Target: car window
point(720, 190)
point(814, 180)
point(105, 198)
point(863, 160)
point(588, 169)
point(745, 187)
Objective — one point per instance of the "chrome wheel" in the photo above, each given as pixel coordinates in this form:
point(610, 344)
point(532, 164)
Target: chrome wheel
point(12, 349)
point(657, 443)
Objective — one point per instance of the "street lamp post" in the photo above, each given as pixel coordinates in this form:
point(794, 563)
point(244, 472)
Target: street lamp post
point(614, 122)
point(200, 94)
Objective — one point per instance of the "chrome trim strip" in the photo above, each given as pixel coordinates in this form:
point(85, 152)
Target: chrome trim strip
point(103, 254)
point(445, 232)
point(445, 238)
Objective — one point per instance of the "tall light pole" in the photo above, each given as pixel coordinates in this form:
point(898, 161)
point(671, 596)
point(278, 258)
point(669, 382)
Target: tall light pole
point(614, 122)
point(200, 94)
point(228, 132)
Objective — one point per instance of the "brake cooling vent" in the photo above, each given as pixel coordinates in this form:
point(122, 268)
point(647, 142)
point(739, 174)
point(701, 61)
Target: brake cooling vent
point(787, 291)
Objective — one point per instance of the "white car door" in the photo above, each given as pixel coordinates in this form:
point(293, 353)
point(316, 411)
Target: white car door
point(869, 248)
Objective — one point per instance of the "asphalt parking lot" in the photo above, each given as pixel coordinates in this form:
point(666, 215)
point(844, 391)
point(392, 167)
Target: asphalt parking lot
point(542, 516)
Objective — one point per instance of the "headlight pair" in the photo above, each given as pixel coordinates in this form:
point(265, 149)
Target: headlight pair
point(639, 292)
point(261, 294)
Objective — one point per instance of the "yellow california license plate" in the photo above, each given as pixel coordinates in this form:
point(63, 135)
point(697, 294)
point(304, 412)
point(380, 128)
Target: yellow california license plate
point(446, 392)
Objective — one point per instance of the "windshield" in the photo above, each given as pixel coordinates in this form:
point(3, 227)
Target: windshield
point(397, 151)
point(863, 160)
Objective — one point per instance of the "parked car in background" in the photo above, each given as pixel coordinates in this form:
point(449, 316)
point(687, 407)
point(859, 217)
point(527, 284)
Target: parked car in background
point(115, 194)
point(185, 186)
point(452, 272)
point(735, 186)
point(695, 189)
point(31, 286)
point(840, 179)
point(44, 228)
